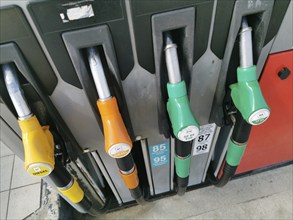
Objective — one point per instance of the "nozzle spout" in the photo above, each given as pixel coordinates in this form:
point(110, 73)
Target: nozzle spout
point(98, 74)
point(15, 91)
point(171, 59)
point(246, 54)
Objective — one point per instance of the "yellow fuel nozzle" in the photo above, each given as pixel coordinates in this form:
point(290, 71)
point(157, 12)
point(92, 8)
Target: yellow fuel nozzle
point(38, 147)
point(37, 140)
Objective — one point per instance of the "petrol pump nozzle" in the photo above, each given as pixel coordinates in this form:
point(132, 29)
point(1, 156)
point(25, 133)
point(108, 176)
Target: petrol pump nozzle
point(248, 99)
point(185, 127)
point(37, 140)
point(118, 144)
point(39, 147)
point(117, 140)
point(246, 93)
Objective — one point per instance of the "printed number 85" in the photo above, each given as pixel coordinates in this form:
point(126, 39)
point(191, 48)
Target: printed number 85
point(160, 147)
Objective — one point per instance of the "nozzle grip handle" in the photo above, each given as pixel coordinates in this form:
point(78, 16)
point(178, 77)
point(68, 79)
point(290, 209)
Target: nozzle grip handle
point(248, 98)
point(117, 141)
point(38, 147)
point(185, 127)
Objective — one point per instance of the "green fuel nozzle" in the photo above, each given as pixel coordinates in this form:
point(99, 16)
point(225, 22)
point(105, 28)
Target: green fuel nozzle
point(246, 93)
point(185, 126)
point(248, 99)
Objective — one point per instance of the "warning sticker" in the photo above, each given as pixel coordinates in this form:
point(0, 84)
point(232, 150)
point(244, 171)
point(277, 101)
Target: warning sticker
point(259, 117)
point(119, 150)
point(77, 13)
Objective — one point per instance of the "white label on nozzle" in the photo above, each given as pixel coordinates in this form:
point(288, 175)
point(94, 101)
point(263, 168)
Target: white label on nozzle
point(188, 133)
point(259, 117)
point(119, 150)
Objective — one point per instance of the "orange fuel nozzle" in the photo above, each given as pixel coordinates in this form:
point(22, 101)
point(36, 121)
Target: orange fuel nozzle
point(117, 140)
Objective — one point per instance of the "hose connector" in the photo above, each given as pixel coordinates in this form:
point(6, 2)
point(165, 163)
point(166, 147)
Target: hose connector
point(72, 191)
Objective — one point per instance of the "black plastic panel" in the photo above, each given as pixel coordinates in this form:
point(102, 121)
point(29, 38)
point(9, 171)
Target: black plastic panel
point(142, 11)
point(221, 27)
point(48, 17)
point(15, 28)
point(279, 11)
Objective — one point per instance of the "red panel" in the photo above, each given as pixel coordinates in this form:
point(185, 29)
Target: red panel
point(271, 142)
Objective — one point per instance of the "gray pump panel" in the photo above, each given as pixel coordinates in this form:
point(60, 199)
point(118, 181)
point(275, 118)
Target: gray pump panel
point(47, 46)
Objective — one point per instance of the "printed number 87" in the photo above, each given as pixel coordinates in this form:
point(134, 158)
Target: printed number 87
point(203, 137)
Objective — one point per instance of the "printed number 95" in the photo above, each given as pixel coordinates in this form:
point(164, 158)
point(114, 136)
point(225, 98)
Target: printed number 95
point(160, 159)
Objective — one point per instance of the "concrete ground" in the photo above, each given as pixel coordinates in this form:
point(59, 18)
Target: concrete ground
point(19, 192)
point(266, 195)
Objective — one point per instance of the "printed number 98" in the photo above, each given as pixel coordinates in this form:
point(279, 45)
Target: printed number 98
point(201, 147)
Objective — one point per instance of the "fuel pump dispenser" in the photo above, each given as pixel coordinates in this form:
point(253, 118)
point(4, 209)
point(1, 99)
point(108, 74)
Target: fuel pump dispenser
point(184, 125)
point(38, 145)
point(117, 141)
point(249, 101)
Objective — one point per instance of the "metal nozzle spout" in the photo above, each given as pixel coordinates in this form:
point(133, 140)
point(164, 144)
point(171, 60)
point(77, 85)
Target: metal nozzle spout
point(171, 59)
point(98, 74)
point(15, 91)
point(246, 54)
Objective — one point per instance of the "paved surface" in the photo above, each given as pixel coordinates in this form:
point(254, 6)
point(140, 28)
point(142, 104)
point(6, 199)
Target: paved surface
point(20, 192)
point(267, 195)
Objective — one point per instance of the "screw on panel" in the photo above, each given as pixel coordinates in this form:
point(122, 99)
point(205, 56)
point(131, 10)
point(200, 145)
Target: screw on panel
point(284, 73)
